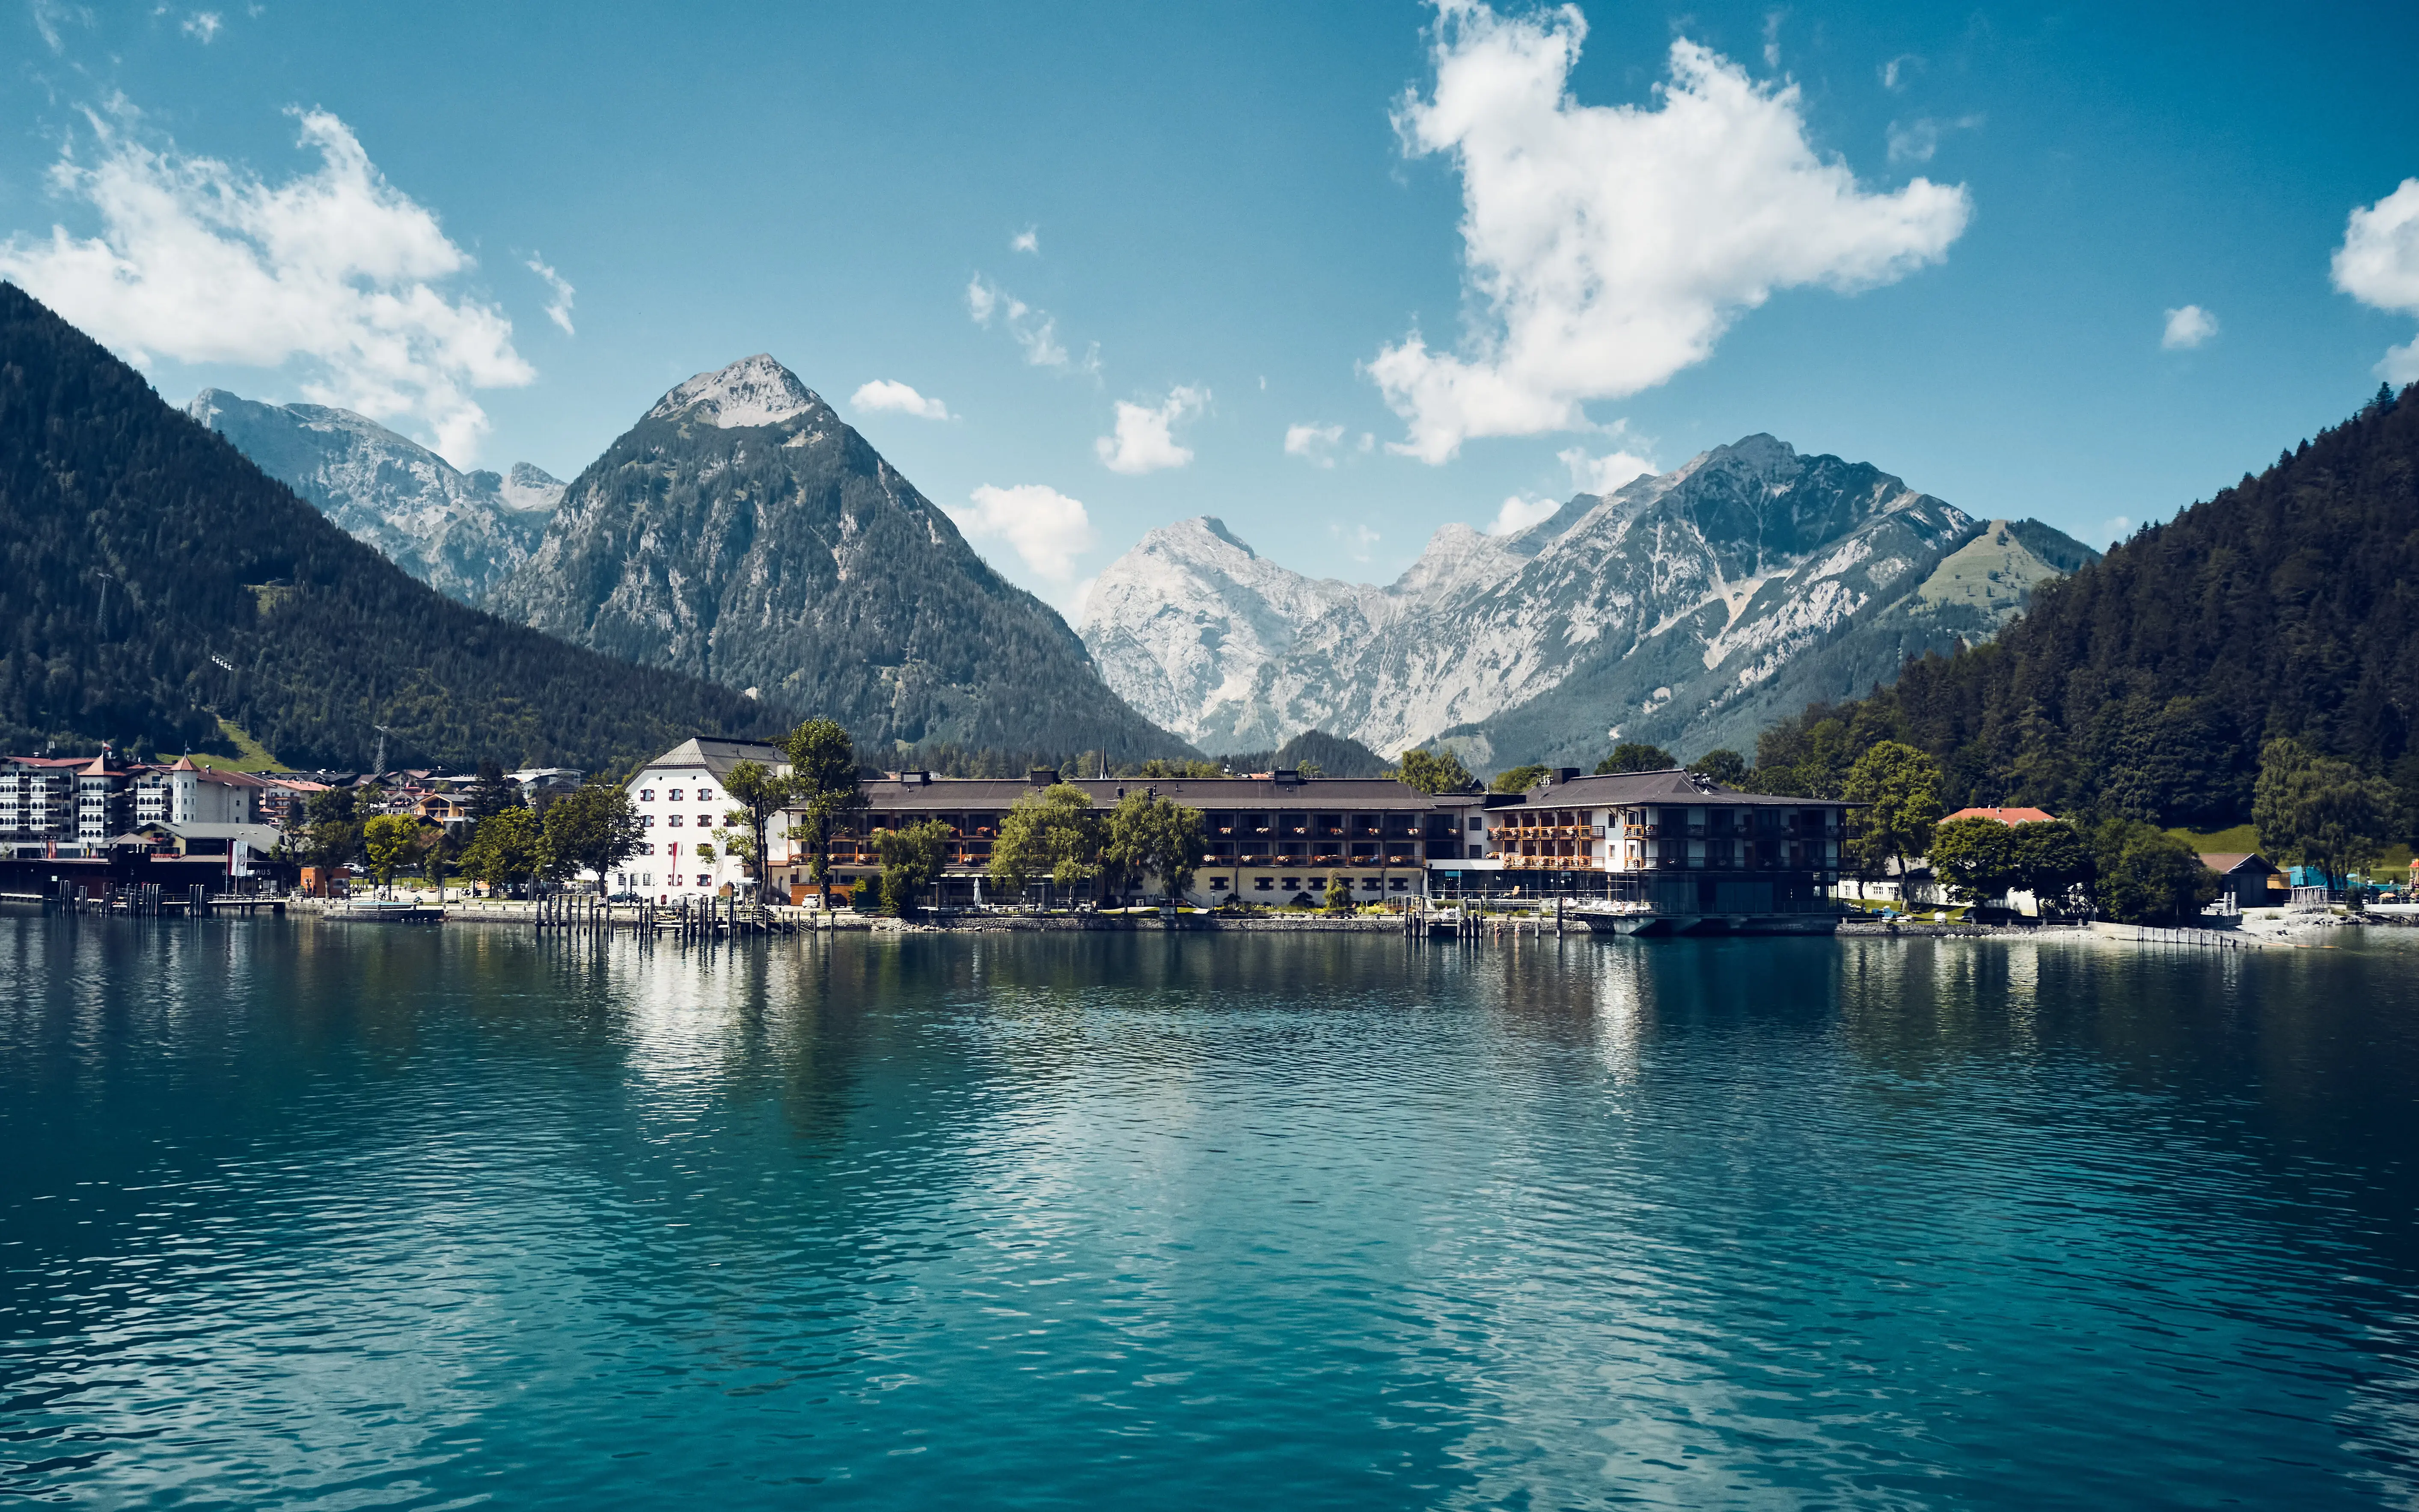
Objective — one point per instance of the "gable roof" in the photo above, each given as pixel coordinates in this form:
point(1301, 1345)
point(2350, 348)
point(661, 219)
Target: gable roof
point(717, 756)
point(2223, 862)
point(2004, 816)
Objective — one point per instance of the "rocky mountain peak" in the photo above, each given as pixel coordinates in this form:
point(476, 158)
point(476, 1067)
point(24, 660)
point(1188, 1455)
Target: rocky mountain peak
point(753, 391)
point(458, 533)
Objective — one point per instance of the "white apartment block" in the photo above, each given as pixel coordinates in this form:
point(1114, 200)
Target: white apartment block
point(681, 805)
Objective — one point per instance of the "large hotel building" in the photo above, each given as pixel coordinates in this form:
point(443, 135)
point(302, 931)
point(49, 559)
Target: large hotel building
point(1667, 840)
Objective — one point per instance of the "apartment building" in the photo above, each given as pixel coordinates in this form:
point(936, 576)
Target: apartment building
point(38, 802)
point(681, 804)
point(188, 795)
point(1669, 840)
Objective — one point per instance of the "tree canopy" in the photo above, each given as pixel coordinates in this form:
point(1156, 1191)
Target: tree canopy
point(1433, 772)
point(1902, 787)
point(1518, 778)
point(1054, 834)
point(1636, 756)
point(1149, 835)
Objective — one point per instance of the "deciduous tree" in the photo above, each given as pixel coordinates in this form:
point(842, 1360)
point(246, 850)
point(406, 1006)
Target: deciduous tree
point(592, 827)
point(758, 793)
point(1157, 837)
point(1052, 834)
point(509, 847)
point(388, 839)
point(1636, 756)
point(823, 782)
point(912, 858)
point(2317, 811)
point(1902, 786)
point(1518, 778)
point(1433, 772)
point(1976, 858)
point(1728, 767)
point(2148, 876)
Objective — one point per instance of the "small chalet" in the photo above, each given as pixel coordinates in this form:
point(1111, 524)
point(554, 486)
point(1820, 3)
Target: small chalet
point(2246, 880)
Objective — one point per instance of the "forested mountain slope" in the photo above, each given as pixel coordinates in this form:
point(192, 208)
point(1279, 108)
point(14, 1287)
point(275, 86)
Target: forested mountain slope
point(2145, 685)
point(742, 531)
point(149, 574)
point(456, 531)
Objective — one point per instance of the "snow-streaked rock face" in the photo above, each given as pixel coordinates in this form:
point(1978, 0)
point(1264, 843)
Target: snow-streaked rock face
point(753, 391)
point(458, 533)
point(742, 532)
point(1657, 608)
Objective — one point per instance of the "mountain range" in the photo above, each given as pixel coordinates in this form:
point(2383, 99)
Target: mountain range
point(1687, 608)
point(739, 532)
point(154, 583)
point(459, 532)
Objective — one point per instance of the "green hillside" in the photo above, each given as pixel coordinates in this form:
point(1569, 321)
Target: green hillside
point(2145, 685)
point(153, 581)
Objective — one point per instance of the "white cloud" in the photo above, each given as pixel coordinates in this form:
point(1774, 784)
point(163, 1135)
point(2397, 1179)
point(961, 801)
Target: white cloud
point(897, 398)
point(1360, 543)
point(1036, 331)
point(1044, 526)
point(49, 15)
point(1610, 246)
point(2379, 265)
point(558, 309)
point(1895, 71)
point(1772, 19)
point(1145, 440)
point(1602, 474)
point(2188, 328)
point(335, 271)
point(1028, 240)
point(1314, 445)
point(1919, 140)
point(1518, 514)
point(203, 25)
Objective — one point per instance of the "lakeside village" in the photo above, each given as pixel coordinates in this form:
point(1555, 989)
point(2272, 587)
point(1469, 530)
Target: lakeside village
point(1642, 845)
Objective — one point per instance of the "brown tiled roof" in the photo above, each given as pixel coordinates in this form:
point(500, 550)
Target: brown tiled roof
point(2005, 816)
point(944, 794)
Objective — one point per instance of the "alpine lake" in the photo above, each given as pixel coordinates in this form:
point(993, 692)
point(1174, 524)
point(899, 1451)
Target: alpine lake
point(317, 1216)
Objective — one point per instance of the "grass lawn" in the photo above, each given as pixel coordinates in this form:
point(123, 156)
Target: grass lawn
point(255, 756)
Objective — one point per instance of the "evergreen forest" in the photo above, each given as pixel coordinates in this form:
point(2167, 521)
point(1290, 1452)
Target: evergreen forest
point(154, 582)
point(2146, 685)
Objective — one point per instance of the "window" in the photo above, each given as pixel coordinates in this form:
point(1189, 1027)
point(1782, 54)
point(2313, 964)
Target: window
point(1292, 884)
point(646, 821)
point(672, 822)
point(1262, 884)
point(1217, 884)
point(705, 794)
point(1402, 884)
point(646, 794)
point(1476, 822)
point(1370, 885)
point(705, 820)
point(675, 794)
point(701, 879)
point(646, 850)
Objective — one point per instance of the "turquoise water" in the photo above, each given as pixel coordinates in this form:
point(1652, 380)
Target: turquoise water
point(300, 1217)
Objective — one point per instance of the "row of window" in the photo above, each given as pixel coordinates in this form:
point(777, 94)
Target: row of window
point(673, 796)
point(647, 821)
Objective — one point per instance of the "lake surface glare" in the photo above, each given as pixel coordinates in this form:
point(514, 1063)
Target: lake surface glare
point(318, 1216)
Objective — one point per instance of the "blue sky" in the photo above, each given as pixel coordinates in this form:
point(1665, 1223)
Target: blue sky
point(1512, 250)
